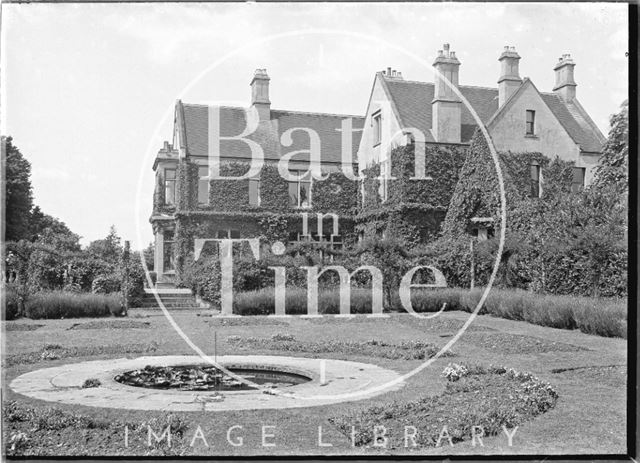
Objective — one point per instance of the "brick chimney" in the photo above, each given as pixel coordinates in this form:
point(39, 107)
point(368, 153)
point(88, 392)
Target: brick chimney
point(509, 74)
point(565, 85)
point(260, 94)
point(446, 106)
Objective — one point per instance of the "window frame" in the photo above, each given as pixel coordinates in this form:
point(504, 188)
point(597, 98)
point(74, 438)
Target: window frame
point(167, 188)
point(530, 125)
point(298, 203)
point(384, 179)
point(168, 258)
point(255, 181)
point(200, 181)
point(535, 184)
point(376, 124)
point(581, 184)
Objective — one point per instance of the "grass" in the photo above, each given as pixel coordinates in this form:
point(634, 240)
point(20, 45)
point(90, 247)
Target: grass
point(63, 304)
point(406, 350)
point(56, 351)
point(569, 427)
point(489, 398)
point(40, 422)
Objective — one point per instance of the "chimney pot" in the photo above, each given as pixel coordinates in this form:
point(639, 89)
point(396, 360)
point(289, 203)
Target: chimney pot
point(565, 84)
point(260, 94)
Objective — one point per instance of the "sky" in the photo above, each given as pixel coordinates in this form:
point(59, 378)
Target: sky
point(88, 89)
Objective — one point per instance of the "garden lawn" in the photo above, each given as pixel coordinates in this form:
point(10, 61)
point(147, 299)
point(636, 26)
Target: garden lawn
point(587, 372)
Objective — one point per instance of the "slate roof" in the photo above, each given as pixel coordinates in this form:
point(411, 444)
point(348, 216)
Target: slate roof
point(233, 121)
point(412, 101)
point(576, 122)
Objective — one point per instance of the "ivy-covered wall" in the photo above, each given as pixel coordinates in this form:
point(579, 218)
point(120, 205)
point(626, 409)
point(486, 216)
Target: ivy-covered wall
point(273, 220)
point(414, 209)
point(477, 193)
point(187, 186)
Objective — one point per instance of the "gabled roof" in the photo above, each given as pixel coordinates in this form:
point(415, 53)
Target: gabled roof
point(233, 121)
point(576, 122)
point(413, 102)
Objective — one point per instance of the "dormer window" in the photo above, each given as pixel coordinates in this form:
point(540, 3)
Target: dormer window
point(530, 122)
point(376, 121)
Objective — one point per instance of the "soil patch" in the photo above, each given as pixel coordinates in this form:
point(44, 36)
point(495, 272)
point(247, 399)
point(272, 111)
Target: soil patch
point(507, 343)
point(22, 326)
point(406, 350)
point(246, 321)
point(109, 325)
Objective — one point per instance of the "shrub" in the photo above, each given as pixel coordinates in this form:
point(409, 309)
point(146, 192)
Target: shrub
point(105, 284)
point(262, 302)
point(487, 397)
point(60, 304)
point(599, 316)
point(91, 382)
point(12, 302)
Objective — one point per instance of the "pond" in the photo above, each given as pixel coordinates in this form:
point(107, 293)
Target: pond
point(207, 378)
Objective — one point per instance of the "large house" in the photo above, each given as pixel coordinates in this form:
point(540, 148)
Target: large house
point(188, 202)
point(516, 114)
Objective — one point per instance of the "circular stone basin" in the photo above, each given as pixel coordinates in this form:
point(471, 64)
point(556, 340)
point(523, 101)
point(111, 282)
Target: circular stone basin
point(330, 381)
point(207, 378)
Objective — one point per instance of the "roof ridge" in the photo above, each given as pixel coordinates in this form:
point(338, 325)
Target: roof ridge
point(278, 110)
point(431, 83)
point(317, 113)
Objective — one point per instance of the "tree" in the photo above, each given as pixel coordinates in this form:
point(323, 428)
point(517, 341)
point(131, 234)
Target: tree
point(613, 167)
point(148, 254)
point(39, 222)
point(108, 249)
point(19, 196)
point(388, 255)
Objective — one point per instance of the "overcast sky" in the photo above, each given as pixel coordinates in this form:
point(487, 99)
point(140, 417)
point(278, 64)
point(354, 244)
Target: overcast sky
point(88, 88)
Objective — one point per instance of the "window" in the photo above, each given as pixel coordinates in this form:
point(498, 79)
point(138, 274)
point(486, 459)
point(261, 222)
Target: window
point(300, 190)
point(577, 184)
point(377, 128)
point(168, 256)
point(170, 186)
point(254, 191)
point(203, 185)
point(531, 122)
point(385, 172)
point(535, 181)
point(226, 234)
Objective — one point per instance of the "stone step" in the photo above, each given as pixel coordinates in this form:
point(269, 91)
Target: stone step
point(168, 304)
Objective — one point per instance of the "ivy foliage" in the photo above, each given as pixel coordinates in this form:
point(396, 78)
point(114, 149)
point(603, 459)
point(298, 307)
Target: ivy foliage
point(414, 208)
point(613, 167)
point(477, 193)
